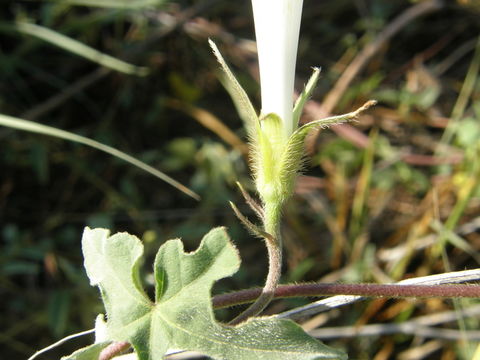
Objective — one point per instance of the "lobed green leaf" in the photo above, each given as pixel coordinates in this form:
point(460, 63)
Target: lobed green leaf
point(182, 316)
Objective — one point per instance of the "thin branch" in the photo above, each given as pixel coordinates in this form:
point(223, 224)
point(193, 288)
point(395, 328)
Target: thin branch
point(365, 290)
point(336, 301)
point(421, 326)
point(439, 280)
point(399, 251)
point(409, 328)
point(66, 93)
point(426, 286)
point(421, 351)
point(60, 342)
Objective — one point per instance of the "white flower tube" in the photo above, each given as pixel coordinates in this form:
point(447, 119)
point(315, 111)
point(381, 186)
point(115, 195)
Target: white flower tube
point(277, 27)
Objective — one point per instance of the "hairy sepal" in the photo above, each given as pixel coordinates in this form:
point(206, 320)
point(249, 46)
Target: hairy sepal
point(292, 158)
point(239, 96)
point(304, 96)
point(271, 145)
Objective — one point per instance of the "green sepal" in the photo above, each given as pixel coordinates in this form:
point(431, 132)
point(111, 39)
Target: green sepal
point(281, 158)
point(300, 134)
point(292, 158)
point(304, 96)
point(239, 96)
point(271, 143)
point(272, 127)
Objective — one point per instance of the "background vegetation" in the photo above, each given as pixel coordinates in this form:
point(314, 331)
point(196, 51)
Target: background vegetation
point(395, 196)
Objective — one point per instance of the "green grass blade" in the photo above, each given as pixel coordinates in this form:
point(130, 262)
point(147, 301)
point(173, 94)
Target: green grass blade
point(78, 48)
point(115, 4)
point(455, 239)
point(30, 126)
point(465, 94)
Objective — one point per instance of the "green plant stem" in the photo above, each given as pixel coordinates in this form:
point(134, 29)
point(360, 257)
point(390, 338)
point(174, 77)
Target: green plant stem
point(274, 248)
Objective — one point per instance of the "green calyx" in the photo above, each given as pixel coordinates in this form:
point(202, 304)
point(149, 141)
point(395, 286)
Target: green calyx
point(273, 169)
point(276, 157)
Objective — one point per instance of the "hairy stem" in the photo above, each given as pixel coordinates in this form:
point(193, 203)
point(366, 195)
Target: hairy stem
point(114, 349)
point(274, 248)
point(367, 290)
point(266, 294)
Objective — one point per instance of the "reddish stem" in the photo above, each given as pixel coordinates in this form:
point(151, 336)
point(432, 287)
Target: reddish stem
point(368, 290)
point(303, 290)
point(113, 349)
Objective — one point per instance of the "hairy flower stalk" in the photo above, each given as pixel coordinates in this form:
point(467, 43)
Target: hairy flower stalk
point(277, 27)
point(276, 140)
